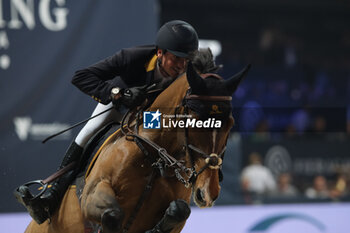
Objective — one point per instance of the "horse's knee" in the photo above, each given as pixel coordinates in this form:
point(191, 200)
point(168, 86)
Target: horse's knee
point(97, 200)
point(111, 220)
point(179, 210)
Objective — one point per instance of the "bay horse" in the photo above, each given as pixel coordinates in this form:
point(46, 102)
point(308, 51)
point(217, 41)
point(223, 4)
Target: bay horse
point(143, 180)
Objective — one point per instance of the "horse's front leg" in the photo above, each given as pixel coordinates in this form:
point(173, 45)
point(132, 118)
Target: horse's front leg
point(174, 217)
point(100, 205)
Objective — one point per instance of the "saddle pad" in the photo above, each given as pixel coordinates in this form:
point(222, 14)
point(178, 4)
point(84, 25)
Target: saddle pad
point(110, 138)
point(91, 153)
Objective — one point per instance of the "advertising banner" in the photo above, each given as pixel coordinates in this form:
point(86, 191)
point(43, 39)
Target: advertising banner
point(42, 44)
point(304, 158)
point(305, 218)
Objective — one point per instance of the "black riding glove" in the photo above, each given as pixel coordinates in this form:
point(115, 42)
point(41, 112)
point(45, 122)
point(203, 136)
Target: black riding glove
point(133, 96)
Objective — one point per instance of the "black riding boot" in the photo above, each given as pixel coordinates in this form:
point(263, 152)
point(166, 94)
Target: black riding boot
point(43, 207)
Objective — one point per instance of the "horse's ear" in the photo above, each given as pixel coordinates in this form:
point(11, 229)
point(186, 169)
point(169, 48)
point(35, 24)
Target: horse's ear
point(233, 82)
point(193, 78)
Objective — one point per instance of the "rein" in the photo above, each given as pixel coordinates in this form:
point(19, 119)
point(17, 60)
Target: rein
point(165, 159)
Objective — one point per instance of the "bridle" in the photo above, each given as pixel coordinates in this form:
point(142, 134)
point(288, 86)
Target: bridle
point(186, 175)
point(212, 160)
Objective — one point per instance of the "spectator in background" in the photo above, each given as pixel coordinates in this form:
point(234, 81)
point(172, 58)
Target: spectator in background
point(284, 187)
point(256, 178)
point(340, 187)
point(319, 188)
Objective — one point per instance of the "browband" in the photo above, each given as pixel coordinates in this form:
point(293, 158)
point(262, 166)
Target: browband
point(206, 75)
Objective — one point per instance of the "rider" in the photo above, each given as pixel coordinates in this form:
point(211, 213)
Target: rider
point(120, 79)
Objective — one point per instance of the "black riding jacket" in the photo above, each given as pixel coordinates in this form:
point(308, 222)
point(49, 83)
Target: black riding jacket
point(129, 67)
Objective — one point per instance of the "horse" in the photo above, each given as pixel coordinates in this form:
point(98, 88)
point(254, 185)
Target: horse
point(143, 179)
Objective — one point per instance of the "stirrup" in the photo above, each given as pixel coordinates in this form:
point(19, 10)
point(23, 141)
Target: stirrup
point(43, 185)
point(30, 201)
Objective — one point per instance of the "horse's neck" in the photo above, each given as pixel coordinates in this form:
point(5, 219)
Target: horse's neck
point(172, 96)
point(166, 103)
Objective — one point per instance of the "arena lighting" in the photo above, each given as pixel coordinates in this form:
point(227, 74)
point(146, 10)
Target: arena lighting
point(214, 45)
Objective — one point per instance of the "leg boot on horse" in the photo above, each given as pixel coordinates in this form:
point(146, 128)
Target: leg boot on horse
point(43, 207)
point(177, 212)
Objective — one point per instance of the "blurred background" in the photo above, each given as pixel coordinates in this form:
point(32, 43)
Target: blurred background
point(288, 153)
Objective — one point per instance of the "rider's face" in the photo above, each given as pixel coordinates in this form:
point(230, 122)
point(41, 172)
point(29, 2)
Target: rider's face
point(171, 65)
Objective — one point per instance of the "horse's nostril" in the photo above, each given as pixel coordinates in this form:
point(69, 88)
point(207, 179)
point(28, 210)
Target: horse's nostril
point(199, 195)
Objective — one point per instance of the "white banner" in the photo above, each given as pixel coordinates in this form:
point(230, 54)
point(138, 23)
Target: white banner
point(297, 218)
point(300, 218)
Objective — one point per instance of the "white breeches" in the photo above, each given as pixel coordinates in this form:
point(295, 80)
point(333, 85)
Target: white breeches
point(93, 125)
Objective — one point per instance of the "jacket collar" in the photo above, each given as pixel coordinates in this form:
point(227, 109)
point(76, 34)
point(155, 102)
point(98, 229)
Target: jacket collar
point(151, 64)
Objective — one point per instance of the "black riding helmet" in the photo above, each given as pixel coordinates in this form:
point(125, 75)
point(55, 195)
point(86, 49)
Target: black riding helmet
point(177, 37)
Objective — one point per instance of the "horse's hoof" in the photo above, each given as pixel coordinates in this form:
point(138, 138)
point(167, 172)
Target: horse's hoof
point(111, 220)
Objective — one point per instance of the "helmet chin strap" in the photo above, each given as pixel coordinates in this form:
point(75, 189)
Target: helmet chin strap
point(161, 69)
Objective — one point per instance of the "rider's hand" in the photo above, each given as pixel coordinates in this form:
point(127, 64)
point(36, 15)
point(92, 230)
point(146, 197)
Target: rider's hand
point(134, 96)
